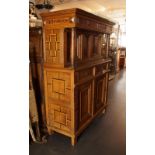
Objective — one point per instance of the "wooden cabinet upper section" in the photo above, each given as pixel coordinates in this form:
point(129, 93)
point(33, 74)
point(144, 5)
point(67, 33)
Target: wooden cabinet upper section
point(74, 37)
point(77, 18)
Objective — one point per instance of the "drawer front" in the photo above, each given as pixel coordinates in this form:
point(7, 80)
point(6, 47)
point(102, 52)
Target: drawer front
point(83, 74)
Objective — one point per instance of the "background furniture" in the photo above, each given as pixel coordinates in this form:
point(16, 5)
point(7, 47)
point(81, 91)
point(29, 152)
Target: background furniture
point(36, 66)
point(33, 112)
point(122, 57)
point(113, 63)
point(76, 69)
point(113, 51)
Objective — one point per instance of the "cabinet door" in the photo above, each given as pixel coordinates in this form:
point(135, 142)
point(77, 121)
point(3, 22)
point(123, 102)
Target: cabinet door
point(37, 78)
point(100, 92)
point(84, 103)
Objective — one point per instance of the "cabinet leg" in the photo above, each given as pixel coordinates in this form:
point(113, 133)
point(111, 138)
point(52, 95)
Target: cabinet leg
point(50, 131)
point(38, 132)
point(103, 112)
point(73, 140)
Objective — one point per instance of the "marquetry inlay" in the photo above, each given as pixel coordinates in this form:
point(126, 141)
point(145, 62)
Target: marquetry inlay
point(60, 117)
point(58, 85)
point(53, 46)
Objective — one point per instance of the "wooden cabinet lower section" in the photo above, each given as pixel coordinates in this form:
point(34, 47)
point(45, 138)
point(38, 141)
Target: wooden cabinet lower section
point(73, 98)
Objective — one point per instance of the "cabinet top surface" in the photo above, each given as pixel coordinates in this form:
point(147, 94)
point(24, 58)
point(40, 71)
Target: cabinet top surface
point(75, 12)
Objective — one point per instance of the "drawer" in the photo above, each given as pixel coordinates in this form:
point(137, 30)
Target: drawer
point(83, 74)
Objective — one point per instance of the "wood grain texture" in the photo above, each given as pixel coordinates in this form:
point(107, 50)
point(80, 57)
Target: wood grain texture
point(76, 69)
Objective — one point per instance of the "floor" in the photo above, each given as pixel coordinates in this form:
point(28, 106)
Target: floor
point(106, 135)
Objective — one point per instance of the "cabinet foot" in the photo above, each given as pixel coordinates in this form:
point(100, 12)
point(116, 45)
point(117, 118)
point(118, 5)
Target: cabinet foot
point(103, 112)
point(73, 140)
point(50, 131)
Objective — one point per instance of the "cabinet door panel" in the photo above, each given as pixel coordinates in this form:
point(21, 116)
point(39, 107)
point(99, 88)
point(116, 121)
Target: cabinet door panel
point(100, 93)
point(84, 103)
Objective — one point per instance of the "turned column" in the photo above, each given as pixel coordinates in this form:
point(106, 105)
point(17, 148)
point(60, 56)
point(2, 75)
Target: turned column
point(73, 46)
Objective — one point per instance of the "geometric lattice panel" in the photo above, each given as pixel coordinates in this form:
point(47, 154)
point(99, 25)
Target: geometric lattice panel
point(60, 117)
point(53, 53)
point(59, 85)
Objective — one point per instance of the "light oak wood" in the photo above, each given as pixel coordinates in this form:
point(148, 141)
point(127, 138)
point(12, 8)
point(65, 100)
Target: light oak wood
point(76, 69)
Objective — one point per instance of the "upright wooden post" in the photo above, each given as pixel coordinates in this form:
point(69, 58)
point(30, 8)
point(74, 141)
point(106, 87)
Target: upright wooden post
point(73, 46)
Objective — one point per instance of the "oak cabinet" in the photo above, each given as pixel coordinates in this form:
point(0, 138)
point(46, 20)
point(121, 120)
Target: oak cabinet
point(76, 69)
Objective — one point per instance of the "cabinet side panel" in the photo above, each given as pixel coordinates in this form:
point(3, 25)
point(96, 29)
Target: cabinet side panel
point(54, 47)
point(58, 100)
